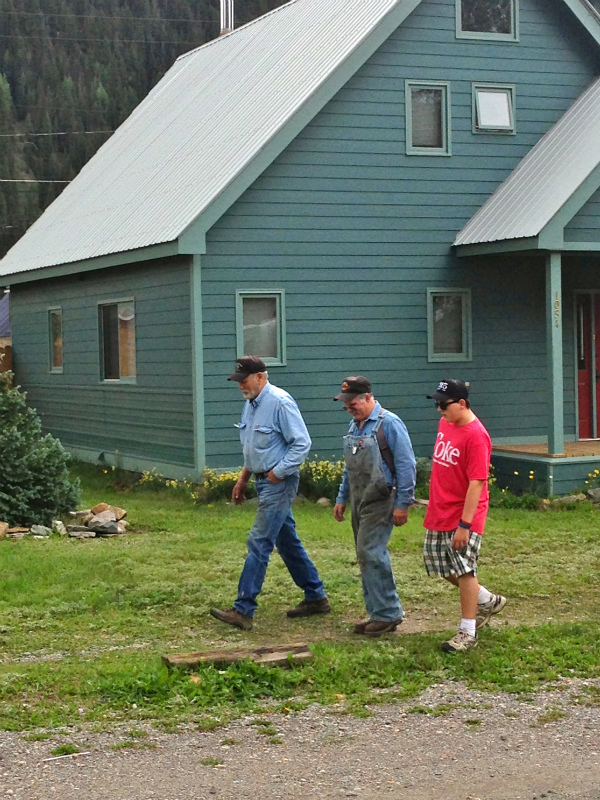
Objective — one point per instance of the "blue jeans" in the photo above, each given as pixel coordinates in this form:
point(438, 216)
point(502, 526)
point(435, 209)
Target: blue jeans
point(274, 526)
point(373, 527)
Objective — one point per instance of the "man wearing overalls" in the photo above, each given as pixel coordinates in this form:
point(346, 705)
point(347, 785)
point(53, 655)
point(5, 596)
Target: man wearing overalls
point(379, 479)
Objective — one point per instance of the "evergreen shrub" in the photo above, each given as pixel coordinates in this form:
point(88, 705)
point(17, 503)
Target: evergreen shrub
point(35, 487)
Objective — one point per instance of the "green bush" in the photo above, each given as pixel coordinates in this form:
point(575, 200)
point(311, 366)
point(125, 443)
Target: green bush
point(34, 481)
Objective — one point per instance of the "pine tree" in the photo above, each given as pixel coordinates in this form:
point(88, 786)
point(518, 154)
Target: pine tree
point(34, 481)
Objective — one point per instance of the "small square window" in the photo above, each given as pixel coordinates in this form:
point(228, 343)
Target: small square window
point(117, 336)
point(449, 324)
point(493, 108)
point(56, 339)
point(427, 118)
point(487, 19)
point(260, 326)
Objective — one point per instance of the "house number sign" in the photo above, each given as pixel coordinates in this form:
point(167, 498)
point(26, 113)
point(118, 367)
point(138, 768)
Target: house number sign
point(556, 310)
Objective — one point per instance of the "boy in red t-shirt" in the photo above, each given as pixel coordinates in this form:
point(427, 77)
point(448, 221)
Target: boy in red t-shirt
point(458, 505)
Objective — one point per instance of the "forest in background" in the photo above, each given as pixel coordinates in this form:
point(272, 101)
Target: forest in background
point(71, 71)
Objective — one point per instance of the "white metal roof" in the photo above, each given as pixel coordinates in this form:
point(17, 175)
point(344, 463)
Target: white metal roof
point(545, 179)
point(203, 123)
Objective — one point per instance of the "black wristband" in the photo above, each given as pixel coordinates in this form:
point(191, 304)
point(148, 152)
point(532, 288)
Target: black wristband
point(465, 525)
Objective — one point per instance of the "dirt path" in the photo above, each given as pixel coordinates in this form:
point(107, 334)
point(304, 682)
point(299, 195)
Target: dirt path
point(484, 747)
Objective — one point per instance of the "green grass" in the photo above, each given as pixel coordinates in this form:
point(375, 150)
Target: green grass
point(83, 624)
point(65, 750)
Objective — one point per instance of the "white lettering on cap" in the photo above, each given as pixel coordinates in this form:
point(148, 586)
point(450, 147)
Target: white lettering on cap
point(443, 386)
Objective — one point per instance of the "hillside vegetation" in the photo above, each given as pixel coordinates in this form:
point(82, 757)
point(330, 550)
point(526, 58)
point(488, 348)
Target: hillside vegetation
point(70, 72)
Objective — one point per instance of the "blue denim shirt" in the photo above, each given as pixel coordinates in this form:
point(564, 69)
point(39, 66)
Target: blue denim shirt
point(273, 433)
point(404, 458)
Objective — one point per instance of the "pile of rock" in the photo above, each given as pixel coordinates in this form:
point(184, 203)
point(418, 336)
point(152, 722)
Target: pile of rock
point(101, 520)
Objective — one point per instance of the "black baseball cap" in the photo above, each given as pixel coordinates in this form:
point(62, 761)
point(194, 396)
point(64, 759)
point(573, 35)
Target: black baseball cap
point(354, 386)
point(247, 365)
point(450, 390)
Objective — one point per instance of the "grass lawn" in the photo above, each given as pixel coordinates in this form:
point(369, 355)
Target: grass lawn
point(83, 624)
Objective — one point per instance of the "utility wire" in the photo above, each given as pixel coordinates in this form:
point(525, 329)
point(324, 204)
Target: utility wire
point(77, 39)
point(54, 133)
point(46, 14)
point(23, 180)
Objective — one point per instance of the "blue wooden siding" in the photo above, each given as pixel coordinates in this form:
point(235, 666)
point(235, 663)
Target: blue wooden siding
point(150, 421)
point(355, 231)
point(585, 225)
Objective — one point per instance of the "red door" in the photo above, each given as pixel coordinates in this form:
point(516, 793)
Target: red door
point(586, 374)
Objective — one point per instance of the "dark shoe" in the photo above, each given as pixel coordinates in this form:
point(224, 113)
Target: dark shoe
point(309, 607)
point(376, 628)
point(232, 617)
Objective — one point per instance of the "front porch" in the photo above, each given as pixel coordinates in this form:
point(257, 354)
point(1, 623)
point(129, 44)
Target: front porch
point(531, 468)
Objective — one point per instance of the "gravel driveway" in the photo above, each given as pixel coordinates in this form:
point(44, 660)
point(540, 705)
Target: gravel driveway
point(476, 746)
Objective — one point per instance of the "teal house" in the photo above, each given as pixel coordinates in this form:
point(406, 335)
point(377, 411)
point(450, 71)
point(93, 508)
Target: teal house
point(407, 189)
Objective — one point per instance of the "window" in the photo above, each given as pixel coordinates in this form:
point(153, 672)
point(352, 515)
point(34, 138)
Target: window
point(493, 108)
point(260, 325)
point(449, 324)
point(487, 19)
point(427, 118)
point(117, 338)
point(56, 339)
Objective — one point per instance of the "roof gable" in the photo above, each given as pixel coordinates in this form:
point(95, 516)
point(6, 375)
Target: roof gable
point(215, 113)
point(209, 128)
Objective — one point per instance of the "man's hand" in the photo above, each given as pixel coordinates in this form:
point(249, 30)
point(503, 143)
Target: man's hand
point(272, 478)
point(400, 516)
point(238, 494)
point(460, 539)
point(338, 511)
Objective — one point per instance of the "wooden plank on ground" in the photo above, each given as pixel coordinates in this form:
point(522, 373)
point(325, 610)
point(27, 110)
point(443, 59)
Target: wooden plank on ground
point(269, 656)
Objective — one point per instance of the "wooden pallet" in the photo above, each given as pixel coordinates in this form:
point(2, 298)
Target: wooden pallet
point(268, 656)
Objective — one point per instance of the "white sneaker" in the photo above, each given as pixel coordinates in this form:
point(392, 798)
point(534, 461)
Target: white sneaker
point(460, 643)
point(487, 610)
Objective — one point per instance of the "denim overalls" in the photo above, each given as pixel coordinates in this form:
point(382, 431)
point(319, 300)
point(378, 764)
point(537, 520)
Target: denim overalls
point(372, 505)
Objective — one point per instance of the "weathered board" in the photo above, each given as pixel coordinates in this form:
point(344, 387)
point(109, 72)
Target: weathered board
point(269, 656)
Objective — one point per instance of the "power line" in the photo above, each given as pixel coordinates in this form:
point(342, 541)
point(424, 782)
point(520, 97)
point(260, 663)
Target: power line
point(54, 133)
point(46, 14)
point(77, 39)
point(23, 180)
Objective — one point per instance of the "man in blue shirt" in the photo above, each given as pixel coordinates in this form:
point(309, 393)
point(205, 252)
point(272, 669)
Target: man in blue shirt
point(275, 442)
point(379, 480)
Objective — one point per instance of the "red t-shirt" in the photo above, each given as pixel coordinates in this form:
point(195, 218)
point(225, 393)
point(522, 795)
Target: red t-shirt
point(461, 454)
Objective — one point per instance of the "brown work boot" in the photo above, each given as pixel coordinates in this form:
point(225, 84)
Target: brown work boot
point(232, 617)
point(309, 607)
point(374, 627)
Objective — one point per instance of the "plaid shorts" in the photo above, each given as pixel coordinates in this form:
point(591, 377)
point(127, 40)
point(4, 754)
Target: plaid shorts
point(440, 559)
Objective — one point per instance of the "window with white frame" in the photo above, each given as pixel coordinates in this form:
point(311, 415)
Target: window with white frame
point(493, 108)
point(117, 340)
point(261, 325)
point(427, 118)
point(487, 19)
point(449, 324)
point(55, 327)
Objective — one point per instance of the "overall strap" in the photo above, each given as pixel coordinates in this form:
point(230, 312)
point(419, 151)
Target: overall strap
point(384, 447)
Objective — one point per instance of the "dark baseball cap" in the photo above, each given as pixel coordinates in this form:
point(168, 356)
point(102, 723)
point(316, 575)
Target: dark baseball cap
point(354, 386)
point(247, 365)
point(450, 390)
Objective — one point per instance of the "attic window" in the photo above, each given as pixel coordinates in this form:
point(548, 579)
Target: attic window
point(493, 108)
point(487, 19)
point(427, 118)
point(117, 336)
